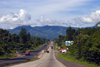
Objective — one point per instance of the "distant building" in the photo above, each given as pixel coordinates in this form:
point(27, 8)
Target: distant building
point(68, 43)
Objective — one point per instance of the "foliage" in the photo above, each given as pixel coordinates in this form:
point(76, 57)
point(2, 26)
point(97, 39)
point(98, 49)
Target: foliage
point(9, 43)
point(59, 41)
point(86, 44)
point(92, 48)
point(69, 36)
point(70, 33)
point(68, 57)
point(77, 48)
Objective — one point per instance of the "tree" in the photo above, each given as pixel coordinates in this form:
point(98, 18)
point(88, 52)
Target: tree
point(23, 36)
point(77, 48)
point(69, 33)
point(1, 51)
point(11, 42)
point(15, 38)
point(91, 51)
point(61, 37)
point(28, 36)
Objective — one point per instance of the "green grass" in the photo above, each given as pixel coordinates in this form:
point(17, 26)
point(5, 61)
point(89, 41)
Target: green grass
point(73, 59)
point(35, 48)
point(38, 47)
point(56, 48)
point(14, 51)
point(7, 56)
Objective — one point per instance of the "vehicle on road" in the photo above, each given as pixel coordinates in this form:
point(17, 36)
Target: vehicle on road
point(47, 51)
point(27, 52)
point(51, 47)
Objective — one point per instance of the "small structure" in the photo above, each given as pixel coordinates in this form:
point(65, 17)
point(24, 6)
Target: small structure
point(63, 50)
point(68, 43)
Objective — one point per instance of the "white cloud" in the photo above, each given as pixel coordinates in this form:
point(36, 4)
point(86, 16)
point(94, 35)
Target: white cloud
point(94, 17)
point(22, 18)
point(57, 11)
point(46, 21)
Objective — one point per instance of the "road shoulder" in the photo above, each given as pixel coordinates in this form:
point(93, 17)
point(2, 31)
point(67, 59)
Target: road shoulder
point(67, 63)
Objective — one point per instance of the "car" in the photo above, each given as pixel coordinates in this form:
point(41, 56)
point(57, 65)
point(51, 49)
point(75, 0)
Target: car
point(27, 52)
point(51, 47)
point(47, 51)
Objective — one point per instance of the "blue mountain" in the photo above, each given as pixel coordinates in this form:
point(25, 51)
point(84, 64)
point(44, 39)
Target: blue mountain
point(48, 32)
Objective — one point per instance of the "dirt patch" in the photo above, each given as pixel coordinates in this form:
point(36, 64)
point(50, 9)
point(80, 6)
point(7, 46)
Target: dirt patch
point(17, 55)
point(41, 54)
point(45, 50)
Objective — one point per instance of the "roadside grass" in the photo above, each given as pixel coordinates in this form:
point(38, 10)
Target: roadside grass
point(26, 60)
point(67, 57)
point(35, 48)
point(38, 47)
point(56, 47)
point(19, 62)
point(7, 56)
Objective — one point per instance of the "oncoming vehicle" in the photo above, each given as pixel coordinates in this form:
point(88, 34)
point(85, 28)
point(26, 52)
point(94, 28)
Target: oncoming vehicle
point(27, 52)
point(47, 51)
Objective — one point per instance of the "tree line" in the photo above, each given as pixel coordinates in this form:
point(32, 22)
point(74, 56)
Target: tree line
point(9, 43)
point(86, 44)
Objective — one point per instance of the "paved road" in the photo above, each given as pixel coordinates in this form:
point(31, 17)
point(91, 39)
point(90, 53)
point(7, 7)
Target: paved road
point(47, 60)
point(33, 53)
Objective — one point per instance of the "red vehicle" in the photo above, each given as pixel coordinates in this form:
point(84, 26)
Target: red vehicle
point(27, 52)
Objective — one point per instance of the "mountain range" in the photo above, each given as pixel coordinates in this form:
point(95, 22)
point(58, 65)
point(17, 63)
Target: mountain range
point(48, 32)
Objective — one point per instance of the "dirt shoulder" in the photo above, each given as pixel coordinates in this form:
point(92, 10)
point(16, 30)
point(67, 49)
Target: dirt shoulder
point(67, 63)
point(17, 55)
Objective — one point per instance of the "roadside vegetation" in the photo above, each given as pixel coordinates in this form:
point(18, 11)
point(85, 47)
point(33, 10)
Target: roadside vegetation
point(86, 46)
point(68, 57)
point(10, 43)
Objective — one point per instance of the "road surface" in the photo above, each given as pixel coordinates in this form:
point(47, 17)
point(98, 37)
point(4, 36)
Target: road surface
point(32, 53)
point(47, 60)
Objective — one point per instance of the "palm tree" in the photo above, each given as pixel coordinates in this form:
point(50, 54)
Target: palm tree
point(97, 23)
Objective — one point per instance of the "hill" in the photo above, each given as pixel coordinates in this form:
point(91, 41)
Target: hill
point(49, 32)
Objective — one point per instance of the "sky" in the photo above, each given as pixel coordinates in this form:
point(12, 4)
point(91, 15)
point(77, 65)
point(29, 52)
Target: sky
point(74, 13)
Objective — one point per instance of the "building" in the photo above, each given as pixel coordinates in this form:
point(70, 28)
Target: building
point(68, 43)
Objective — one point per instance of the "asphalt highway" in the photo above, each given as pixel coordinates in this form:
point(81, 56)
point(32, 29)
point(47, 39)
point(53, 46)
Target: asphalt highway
point(32, 53)
point(47, 60)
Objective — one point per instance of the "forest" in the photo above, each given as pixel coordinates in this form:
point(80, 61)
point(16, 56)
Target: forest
point(86, 43)
point(9, 43)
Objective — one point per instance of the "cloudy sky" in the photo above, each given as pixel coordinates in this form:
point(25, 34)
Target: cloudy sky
point(75, 13)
